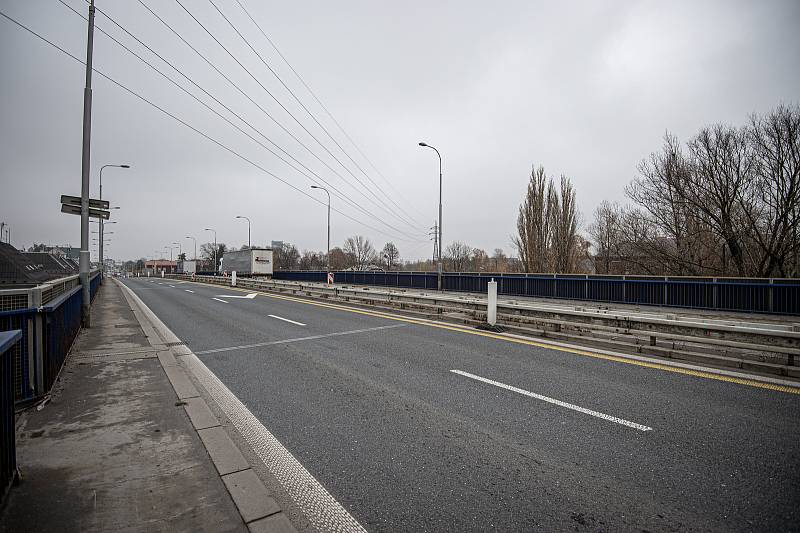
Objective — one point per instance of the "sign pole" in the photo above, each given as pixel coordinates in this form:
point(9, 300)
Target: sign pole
point(84, 259)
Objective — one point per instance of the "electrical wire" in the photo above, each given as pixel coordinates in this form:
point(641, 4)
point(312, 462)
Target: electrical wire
point(251, 100)
point(323, 106)
point(340, 195)
point(210, 34)
point(184, 123)
point(310, 114)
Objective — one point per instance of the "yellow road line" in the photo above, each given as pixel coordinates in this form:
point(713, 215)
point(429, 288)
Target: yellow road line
point(515, 340)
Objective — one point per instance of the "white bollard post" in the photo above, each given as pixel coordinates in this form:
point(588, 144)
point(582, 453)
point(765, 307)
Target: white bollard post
point(233, 278)
point(491, 305)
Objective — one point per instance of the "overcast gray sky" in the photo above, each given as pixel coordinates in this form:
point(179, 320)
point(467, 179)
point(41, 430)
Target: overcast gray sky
point(584, 88)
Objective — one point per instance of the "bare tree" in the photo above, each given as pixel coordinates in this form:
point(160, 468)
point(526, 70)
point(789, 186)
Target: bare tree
point(391, 255)
point(286, 257)
point(775, 139)
point(605, 232)
point(547, 225)
point(457, 254)
point(360, 249)
point(533, 231)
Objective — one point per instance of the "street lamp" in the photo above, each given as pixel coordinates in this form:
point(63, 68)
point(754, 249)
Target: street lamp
point(195, 246)
point(102, 267)
point(215, 249)
point(441, 243)
point(329, 222)
point(248, 229)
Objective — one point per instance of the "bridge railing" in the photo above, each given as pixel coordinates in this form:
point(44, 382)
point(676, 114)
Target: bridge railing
point(8, 443)
point(49, 318)
point(778, 296)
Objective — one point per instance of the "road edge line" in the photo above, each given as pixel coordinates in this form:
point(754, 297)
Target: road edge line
point(262, 442)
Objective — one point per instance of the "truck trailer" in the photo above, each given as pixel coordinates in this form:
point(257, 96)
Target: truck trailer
point(252, 262)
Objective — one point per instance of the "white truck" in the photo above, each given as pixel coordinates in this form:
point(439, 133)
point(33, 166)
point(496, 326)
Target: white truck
point(252, 262)
point(187, 266)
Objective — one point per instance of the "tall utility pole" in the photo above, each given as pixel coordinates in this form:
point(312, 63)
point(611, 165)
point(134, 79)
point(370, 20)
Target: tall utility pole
point(329, 222)
point(439, 277)
point(215, 249)
point(101, 224)
point(195, 247)
point(248, 230)
point(84, 259)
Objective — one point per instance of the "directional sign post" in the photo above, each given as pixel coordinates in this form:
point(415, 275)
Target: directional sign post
point(97, 208)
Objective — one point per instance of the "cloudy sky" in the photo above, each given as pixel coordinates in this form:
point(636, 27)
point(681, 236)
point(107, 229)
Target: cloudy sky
point(586, 89)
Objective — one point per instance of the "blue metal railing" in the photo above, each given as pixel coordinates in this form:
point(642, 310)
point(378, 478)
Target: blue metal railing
point(8, 443)
point(47, 333)
point(779, 296)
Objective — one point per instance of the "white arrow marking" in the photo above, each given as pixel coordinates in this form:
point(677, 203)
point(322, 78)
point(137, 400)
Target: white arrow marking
point(248, 297)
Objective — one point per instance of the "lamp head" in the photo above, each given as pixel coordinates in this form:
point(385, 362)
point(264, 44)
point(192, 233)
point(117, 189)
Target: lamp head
point(422, 144)
point(124, 166)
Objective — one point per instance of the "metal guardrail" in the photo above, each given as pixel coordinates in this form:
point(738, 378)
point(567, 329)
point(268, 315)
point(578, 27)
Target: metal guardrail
point(777, 296)
point(8, 443)
point(49, 321)
point(764, 347)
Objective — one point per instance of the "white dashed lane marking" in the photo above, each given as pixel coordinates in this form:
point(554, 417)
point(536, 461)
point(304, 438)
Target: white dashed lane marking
point(547, 399)
point(287, 320)
point(217, 299)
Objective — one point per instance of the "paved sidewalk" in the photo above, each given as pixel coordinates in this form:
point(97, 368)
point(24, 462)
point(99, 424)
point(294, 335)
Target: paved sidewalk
point(114, 449)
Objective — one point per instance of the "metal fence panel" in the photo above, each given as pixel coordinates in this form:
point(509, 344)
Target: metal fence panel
point(8, 446)
point(780, 296)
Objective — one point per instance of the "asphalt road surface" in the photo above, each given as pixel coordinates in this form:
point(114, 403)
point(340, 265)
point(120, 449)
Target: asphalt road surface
point(419, 428)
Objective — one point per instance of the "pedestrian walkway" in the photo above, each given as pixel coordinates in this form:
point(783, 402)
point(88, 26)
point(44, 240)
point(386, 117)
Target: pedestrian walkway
point(113, 447)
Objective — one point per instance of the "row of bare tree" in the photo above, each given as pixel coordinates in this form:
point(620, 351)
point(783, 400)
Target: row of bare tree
point(724, 204)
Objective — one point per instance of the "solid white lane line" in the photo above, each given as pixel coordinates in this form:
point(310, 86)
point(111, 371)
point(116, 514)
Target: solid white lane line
point(217, 299)
point(287, 320)
point(547, 399)
point(298, 339)
point(189, 290)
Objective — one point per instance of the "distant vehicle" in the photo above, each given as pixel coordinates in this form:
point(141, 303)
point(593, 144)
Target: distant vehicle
point(252, 262)
point(187, 266)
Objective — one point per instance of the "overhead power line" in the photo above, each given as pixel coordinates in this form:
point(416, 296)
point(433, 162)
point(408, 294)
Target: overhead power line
point(339, 195)
point(321, 104)
point(310, 114)
point(325, 148)
point(184, 123)
point(256, 104)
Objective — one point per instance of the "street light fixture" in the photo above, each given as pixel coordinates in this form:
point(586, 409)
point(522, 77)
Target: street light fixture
point(102, 268)
point(329, 222)
point(441, 244)
point(215, 248)
point(248, 229)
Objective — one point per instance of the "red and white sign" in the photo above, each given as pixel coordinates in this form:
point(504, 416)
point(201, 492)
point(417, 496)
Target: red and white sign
point(330, 278)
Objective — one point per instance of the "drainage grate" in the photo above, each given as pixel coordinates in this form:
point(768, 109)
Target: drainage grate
point(181, 343)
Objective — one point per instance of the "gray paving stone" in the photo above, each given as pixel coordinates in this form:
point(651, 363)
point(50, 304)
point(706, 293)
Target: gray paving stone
point(277, 523)
point(250, 495)
point(224, 453)
point(199, 413)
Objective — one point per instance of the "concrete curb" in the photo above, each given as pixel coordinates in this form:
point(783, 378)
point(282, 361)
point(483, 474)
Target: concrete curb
point(259, 511)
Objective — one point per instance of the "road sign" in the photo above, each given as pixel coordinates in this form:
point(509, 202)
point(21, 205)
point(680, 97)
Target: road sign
point(93, 213)
point(330, 278)
point(76, 200)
